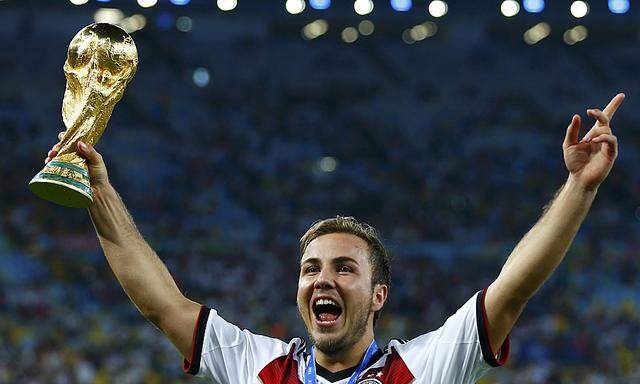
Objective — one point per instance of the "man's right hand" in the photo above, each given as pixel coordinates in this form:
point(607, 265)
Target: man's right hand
point(97, 169)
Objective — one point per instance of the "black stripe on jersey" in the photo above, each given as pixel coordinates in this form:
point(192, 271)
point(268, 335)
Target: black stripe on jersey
point(192, 366)
point(483, 333)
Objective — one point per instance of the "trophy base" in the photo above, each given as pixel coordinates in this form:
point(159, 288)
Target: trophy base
point(64, 184)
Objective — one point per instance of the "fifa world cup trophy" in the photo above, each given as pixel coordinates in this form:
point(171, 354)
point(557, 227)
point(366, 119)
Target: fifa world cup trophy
point(101, 60)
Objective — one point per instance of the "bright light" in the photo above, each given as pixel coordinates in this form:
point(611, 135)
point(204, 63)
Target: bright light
point(328, 164)
point(575, 35)
point(184, 24)
point(366, 27)
point(133, 23)
point(401, 5)
point(438, 8)
point(533, 6)
point(422, 31)
point(406, 37)
point(295, 6)
point(227, 5)
point(349, 35)
point(579, 9)
point(363, 7)
point(108, 15)
point(536, 33)
point(618, 6)
point(78, 2)
point(201, 77)
point(180, 2)
point(147, 3)
point(509, 8)
point(320, 4)
point(315, 29)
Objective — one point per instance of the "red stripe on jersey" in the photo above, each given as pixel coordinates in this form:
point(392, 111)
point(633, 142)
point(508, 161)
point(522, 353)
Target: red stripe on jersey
point(394, 371)
point(283, 370)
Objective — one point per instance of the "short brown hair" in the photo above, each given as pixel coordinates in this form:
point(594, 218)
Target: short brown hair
point(379, 259)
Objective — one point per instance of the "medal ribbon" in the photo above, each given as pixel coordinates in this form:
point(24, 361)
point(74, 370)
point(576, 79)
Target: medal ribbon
point(310, 372)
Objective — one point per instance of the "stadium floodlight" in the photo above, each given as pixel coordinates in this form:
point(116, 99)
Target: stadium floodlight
point(349, 35)
point(328, 164)
point(536, 33)
point(618, 6)
point(295, 6)
point(227, 5)
point(180, 2)
point(579, 9)
point(78, 2)
point(533, 6)
point(320, 4)
point(366, 27)
point(201, 77)
point(363, 7)
point(401, 5)
point(575, 35)
point(315, 29)
point(108, 15)
point(147, 3)
point(509, 8)
point(438, 8)
point(184, 24)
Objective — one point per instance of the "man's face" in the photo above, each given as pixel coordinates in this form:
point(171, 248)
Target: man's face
point(335, 295)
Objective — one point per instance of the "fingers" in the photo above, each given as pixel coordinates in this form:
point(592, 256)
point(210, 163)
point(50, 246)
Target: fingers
point(596, 131)
point(599, 115)
point(54, 150)
point(88, 152)
point(52, 153)
point(610, 139)
point(573, 130)
point(613, 105)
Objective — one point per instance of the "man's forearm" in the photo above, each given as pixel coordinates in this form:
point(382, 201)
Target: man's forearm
point(141, 273)
point(535, 257)
point(541, 250)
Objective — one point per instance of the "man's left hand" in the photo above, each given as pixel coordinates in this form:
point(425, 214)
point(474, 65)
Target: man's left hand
point(590, 160)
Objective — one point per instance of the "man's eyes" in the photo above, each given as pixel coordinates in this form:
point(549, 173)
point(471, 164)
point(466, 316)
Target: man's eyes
point(311, 269)
point(315, 269)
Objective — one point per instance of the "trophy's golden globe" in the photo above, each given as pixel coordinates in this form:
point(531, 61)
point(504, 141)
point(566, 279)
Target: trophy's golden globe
point(101, 61)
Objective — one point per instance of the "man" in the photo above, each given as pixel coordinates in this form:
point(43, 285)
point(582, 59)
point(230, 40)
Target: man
point(343, 285)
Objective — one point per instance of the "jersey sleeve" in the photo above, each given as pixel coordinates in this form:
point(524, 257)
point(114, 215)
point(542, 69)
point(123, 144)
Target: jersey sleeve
point(225, 353)
point(457, 352)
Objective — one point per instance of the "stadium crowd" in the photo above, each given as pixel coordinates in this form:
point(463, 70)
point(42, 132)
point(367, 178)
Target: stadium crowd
point(450, 147)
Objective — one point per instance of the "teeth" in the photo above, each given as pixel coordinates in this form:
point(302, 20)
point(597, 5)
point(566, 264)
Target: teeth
point(326, 302)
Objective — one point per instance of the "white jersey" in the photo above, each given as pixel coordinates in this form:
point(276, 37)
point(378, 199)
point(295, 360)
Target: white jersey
point(457, 352)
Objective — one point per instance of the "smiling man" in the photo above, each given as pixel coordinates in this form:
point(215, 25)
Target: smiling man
point(343, 285)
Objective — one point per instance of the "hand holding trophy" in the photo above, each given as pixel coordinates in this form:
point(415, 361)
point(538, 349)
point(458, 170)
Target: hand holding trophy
point(101, 61)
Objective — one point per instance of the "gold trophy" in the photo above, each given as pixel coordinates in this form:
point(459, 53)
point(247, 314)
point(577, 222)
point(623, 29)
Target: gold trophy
point(101, 61)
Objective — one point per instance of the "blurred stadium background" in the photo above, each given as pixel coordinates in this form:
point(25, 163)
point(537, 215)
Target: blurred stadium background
point(440, 124)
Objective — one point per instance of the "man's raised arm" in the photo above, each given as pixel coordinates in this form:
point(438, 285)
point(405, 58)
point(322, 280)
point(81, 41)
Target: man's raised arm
point(139, 270)
point(542, 249)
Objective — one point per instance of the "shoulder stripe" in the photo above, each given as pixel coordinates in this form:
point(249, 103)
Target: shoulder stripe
point(483, 334)
point(192, 365)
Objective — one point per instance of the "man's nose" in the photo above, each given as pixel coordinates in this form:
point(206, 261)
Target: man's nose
point(324, 280)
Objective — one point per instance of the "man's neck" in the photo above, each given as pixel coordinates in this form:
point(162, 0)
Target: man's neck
point(345, 359)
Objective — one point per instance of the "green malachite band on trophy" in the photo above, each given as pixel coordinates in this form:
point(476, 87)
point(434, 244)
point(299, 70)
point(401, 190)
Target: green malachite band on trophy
point(73, 167)
point(66, 180)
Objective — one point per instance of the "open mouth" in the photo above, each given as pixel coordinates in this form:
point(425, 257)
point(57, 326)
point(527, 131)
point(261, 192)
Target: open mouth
point(327, 311)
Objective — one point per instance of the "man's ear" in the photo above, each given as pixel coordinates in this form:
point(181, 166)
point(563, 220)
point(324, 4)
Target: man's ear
point(380, 292)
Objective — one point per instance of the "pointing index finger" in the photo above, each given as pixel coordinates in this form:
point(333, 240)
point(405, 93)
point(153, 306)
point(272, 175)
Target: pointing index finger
point(613, 105)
